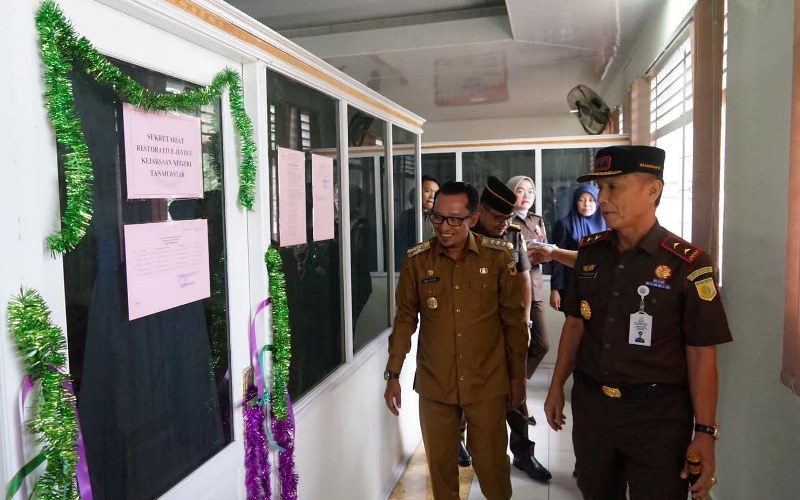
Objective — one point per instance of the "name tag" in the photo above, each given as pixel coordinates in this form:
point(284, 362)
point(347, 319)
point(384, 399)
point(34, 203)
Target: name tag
point(640, 331)
point(434, 279)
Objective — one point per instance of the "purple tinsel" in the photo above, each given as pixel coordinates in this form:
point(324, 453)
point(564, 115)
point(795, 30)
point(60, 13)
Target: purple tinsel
point(283, 431)
point(256, 454)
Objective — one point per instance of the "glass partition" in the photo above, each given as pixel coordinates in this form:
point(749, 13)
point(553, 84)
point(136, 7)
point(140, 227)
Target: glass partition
point(440, 166)
point(406, 198)
point(560, 168)
point(302, 119)
point(478, 166)
point(153, 392)
point(368, 237)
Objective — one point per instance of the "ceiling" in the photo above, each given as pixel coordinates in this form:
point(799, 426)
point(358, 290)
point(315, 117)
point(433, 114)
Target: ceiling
point(465, 59)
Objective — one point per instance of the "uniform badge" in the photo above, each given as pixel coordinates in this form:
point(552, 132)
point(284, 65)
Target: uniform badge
point(429, 272)
point(706, 289)
point(512, 268)
point(432, 303)
point(483, 270)
point(586, 310)
point(700, 272)
point(663, 272)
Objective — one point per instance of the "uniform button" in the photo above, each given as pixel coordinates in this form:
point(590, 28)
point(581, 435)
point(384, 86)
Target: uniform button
point(484, 285)
point(461, 378)
point(605, 373)
point(615, 293)
point(458, 310)
point(611, 320)
point(607, 345)
point(458, 287)
point(460, 356)
point(459, 334)
point(652, 301)
point(621, 266)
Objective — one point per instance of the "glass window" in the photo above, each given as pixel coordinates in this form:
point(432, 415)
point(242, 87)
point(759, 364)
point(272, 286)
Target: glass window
point(477, 167)
point(671, 103)
point(305, 120)
point(440, 166)
point(368, 239)
point(560, 168)
point(153, 393)
point(406, 198)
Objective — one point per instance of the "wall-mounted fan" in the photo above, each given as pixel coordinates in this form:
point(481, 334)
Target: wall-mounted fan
point(593, 112)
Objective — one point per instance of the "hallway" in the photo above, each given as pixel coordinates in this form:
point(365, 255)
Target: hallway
point(553, 450)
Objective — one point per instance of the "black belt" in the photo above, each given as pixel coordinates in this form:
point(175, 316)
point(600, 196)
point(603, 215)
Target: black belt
point(638, 391)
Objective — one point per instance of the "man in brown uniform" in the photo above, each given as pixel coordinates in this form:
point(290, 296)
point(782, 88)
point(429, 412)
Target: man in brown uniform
point(644, 319)
point(472, 343)
point(495, 214)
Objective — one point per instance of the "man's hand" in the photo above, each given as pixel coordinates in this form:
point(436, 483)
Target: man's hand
point(554, 408)
point(539, 253)
point(392, 395)
point(555, 300)
point(703, 445)
point(516, 394)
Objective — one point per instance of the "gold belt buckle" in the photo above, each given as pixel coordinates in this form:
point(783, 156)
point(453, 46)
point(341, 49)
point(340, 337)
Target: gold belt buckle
point(611, 392)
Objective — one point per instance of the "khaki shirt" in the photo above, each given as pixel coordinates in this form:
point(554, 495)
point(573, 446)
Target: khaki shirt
point(532, 227)
point(472, 336)
point(682, 299)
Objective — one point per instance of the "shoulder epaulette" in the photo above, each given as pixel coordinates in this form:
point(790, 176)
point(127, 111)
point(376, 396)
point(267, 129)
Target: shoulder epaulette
point(495, 243)
point(417, 249)
point(682, 248)
point(514, 227)
point(591, 239)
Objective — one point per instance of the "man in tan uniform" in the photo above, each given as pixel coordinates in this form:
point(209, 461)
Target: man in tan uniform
point(472, 344)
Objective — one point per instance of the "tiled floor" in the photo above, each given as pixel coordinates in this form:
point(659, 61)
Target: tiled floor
point(553, 450)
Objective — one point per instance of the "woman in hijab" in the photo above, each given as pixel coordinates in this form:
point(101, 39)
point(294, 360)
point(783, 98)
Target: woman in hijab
point(583, 219)
point(532, 227)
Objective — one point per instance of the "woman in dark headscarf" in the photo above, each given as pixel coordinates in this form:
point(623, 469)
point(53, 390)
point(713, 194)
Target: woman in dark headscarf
point(583, 219)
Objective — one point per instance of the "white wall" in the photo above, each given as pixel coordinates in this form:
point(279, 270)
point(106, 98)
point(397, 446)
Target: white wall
point(757, 456)
point(502, 128)
point(348, 444)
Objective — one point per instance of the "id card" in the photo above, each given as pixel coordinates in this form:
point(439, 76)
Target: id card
point(641, 329)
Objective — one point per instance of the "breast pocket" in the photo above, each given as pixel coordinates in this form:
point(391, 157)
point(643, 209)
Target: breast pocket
point(431, 299)
point(485, 289)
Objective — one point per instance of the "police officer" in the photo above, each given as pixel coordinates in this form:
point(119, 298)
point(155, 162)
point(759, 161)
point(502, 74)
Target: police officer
point(495, 214)
point(644, 319)
point(472, 343)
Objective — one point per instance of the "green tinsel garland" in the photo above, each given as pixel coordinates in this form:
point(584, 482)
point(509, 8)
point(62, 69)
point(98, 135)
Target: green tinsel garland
point(61, 49)
point(281, 337)
point(42, 346)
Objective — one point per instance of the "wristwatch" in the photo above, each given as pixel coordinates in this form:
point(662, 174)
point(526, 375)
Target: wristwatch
point(713, 430)
point(529, 323)
point(387, 375)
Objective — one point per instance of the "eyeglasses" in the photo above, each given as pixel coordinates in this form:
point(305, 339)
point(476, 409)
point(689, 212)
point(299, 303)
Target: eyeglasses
point(500, 219)
point(451, 221)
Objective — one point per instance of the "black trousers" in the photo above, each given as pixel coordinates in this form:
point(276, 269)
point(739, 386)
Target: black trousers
point(637, 444)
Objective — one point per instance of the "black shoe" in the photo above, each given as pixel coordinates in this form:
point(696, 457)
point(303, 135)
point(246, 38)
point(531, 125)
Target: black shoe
point(531, 420)
point(464, 460)
point(532, 468)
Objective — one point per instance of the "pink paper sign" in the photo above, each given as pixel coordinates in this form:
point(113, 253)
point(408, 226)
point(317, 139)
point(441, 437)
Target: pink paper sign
point(163, 154)
point(322, 189)
point(291, 197)
point(166, 264)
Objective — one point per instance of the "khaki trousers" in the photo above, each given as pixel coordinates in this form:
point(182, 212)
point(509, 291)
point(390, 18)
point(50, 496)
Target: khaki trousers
point(487, 442)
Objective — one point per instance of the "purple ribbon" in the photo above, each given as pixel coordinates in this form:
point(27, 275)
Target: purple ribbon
point(254, 351)
point(82, 467)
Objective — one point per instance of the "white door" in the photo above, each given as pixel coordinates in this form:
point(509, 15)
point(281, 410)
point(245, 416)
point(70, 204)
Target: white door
point(160, 396)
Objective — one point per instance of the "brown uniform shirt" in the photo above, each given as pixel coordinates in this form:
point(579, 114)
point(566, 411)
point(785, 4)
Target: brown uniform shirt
point(472, 332)
point(513, 236)
point(532, 227)
point(682, 299)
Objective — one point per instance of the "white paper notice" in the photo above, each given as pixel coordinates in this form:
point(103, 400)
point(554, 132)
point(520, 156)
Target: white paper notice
point(167, 265)
point(291, 197)
point(322, 188)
